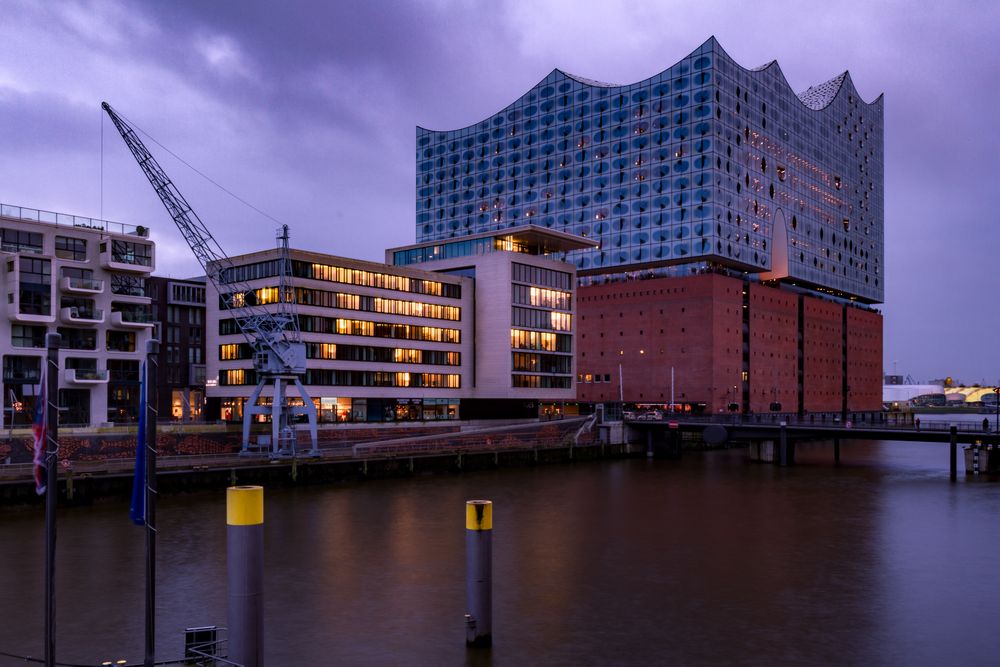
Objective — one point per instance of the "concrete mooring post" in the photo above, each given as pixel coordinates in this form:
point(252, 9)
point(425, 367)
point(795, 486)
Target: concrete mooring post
point(245, 550)
point(479, 573)
point(953, 451)
point(783, 458)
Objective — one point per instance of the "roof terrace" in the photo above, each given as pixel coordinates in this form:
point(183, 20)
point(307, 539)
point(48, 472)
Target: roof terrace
point(37, 215)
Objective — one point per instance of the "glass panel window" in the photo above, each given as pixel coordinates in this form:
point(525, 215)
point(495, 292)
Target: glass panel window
point(78, 339)
point(16, 240)
point(120, 341)
point(71, 248)
point(35, 286)
point(129, 252)
point(27, 336)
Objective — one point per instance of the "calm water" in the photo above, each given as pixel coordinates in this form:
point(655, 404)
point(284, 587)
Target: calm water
point(706, 561)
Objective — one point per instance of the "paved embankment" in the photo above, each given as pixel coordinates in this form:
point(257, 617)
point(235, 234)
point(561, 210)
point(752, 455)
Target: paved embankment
point(84, 481)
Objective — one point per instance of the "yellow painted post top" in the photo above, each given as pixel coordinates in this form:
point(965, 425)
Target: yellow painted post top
point(479, 515)
point(245, 505)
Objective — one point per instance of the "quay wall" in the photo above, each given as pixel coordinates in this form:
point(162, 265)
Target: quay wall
point(85, 489)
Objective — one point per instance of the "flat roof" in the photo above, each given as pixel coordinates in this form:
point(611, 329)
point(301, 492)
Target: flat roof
point(547, 240)
point(25, 214)
point(316, 257)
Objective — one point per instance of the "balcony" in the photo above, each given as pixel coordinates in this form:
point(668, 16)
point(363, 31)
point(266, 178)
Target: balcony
point(81, 285)
point(85, 376)
point(15, 314)
point(77, 315)
point(132, 319)
point(127, 255)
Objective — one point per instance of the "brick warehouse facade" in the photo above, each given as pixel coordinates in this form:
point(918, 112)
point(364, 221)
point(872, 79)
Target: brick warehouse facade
point(794, 349)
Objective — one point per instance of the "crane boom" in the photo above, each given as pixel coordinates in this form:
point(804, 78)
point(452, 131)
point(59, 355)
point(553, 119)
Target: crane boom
point(274, 337)
point(264, 331)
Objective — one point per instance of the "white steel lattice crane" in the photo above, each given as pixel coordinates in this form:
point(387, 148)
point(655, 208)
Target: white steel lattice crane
point(279, 355)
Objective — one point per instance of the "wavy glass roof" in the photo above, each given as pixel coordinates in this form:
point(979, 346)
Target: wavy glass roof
point(706, 162)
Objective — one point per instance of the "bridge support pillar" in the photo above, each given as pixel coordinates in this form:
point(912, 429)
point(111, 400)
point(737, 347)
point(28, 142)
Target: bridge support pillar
point(953, 451)
point(836, 451)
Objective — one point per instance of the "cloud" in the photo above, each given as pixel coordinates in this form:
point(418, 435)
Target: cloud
point(308, 111)
point(223, 55)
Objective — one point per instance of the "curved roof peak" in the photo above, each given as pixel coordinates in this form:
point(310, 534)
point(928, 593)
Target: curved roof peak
point(815, 98)
point(820, 95)
point(589, 82)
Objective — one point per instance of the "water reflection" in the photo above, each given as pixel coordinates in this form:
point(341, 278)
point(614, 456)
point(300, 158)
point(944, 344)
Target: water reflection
point(707, 561)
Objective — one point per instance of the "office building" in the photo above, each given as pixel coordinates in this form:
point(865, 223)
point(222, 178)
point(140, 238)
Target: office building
point(525, 310)
point(398, 343)
point(179, 312)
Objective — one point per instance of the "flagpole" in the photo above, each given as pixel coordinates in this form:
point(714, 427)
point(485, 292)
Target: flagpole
point(152, 366)
point(51, 395)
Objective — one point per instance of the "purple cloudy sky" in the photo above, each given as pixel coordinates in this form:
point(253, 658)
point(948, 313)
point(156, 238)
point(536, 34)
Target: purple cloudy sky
point(307, 109)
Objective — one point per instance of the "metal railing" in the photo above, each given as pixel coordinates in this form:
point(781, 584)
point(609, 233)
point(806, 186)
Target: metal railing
point(37, 215)
point(85, 283)
point(135, 316)
point(89, 374)
point(880, 421)
point(89, 314)
point(131, 258)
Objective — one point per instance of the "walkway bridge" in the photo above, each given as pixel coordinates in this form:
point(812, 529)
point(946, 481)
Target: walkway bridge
point(773, 437)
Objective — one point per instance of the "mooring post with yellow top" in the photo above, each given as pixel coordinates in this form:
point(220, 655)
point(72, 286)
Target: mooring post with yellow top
point(245, 551)
point(479, 573)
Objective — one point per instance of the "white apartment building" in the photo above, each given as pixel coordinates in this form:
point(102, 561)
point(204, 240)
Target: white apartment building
point(85, 280)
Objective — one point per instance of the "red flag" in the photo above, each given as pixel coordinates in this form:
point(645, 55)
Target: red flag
point(39, 428)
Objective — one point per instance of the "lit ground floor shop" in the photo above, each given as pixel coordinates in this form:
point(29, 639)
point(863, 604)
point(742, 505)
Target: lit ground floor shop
point(331, 409)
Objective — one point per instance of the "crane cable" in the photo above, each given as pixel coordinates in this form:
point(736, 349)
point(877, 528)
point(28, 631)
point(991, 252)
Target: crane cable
point(179, 159)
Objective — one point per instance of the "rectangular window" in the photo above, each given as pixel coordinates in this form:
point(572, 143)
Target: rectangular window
point(534, 275)
point(129, 252)
point(22, 370)
point(78, 339)
point(541, 319)
point(35, 289)
point(234, 351)
point(16, 240)
point(128, 285)
point(540, 297)
point(71, 248)
point(27, 336)
point(120, 341)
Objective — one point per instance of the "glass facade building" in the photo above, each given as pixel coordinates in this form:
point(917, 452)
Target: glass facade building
point(705, 165)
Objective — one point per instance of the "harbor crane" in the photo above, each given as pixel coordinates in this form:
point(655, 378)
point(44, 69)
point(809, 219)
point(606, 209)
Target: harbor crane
point(273, 335)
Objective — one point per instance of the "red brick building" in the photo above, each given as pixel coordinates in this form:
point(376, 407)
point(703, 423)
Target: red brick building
point(727, 341)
